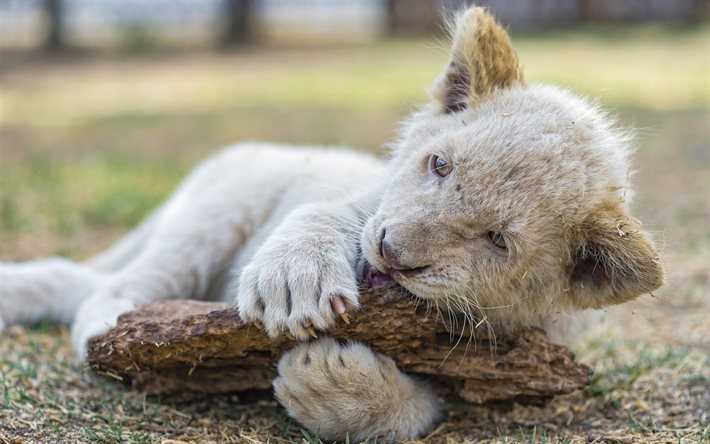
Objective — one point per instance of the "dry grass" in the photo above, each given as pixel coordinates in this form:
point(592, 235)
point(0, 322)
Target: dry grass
point(88, 146)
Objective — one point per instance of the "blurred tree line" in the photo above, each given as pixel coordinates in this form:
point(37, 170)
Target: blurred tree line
point(419, 17)
point(238, 29)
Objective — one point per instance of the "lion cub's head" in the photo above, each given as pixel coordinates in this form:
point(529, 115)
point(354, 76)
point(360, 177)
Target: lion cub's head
point(508, 201)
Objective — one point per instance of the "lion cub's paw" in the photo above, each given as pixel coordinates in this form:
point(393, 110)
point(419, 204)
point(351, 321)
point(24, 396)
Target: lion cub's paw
point(297, 287)
point(339, 389)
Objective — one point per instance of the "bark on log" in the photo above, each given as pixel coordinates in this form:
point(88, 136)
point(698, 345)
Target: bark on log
point(184, 348)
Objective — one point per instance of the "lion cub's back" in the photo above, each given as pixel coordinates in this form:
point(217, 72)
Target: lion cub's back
point(326, 171)
point(257, 179)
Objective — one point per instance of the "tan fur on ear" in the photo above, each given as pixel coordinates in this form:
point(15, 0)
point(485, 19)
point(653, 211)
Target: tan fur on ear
point(614, 260)
point(482, 60)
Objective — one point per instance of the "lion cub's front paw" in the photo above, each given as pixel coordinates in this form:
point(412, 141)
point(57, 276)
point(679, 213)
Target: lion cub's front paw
point(339, 389)
point(297, 287)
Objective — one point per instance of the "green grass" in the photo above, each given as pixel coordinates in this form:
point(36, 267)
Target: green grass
point(623, 363)
point(101, 191)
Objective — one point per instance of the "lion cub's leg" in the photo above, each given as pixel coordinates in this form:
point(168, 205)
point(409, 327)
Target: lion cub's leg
point(190, 245)
point(180, 268)
point(336, 389)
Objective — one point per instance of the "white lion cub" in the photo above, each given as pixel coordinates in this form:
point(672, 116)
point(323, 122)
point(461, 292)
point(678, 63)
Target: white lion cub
point(503, 200)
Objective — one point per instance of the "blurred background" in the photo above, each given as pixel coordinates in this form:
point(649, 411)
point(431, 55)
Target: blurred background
point(106, 104)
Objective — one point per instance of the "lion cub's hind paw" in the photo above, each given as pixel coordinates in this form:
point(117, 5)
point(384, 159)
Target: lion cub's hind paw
point(336, 388)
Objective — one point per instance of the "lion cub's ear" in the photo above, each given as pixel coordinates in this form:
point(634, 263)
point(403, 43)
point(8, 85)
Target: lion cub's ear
point(613, 260)
point(482, 60)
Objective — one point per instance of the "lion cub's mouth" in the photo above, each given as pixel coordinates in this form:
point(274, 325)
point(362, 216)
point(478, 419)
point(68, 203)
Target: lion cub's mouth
point(377, 278)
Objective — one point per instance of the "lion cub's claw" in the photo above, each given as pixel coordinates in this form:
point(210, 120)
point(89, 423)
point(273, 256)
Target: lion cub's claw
point(305, 291)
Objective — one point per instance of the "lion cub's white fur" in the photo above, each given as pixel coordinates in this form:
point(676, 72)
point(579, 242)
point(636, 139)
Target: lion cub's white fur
point(281, 231)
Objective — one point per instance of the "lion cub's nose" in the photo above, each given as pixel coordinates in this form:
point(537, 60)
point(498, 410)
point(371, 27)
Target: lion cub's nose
point(390, 257)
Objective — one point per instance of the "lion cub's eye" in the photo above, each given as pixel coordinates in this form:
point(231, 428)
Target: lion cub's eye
point(440, 166)
point(497, 239)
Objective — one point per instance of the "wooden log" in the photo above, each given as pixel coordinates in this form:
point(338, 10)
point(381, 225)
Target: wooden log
point(185, 348)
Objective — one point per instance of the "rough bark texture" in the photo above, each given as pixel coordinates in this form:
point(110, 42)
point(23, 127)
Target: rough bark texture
point(183, 348)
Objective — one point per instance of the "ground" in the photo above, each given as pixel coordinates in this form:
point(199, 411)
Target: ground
point(89, 143)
